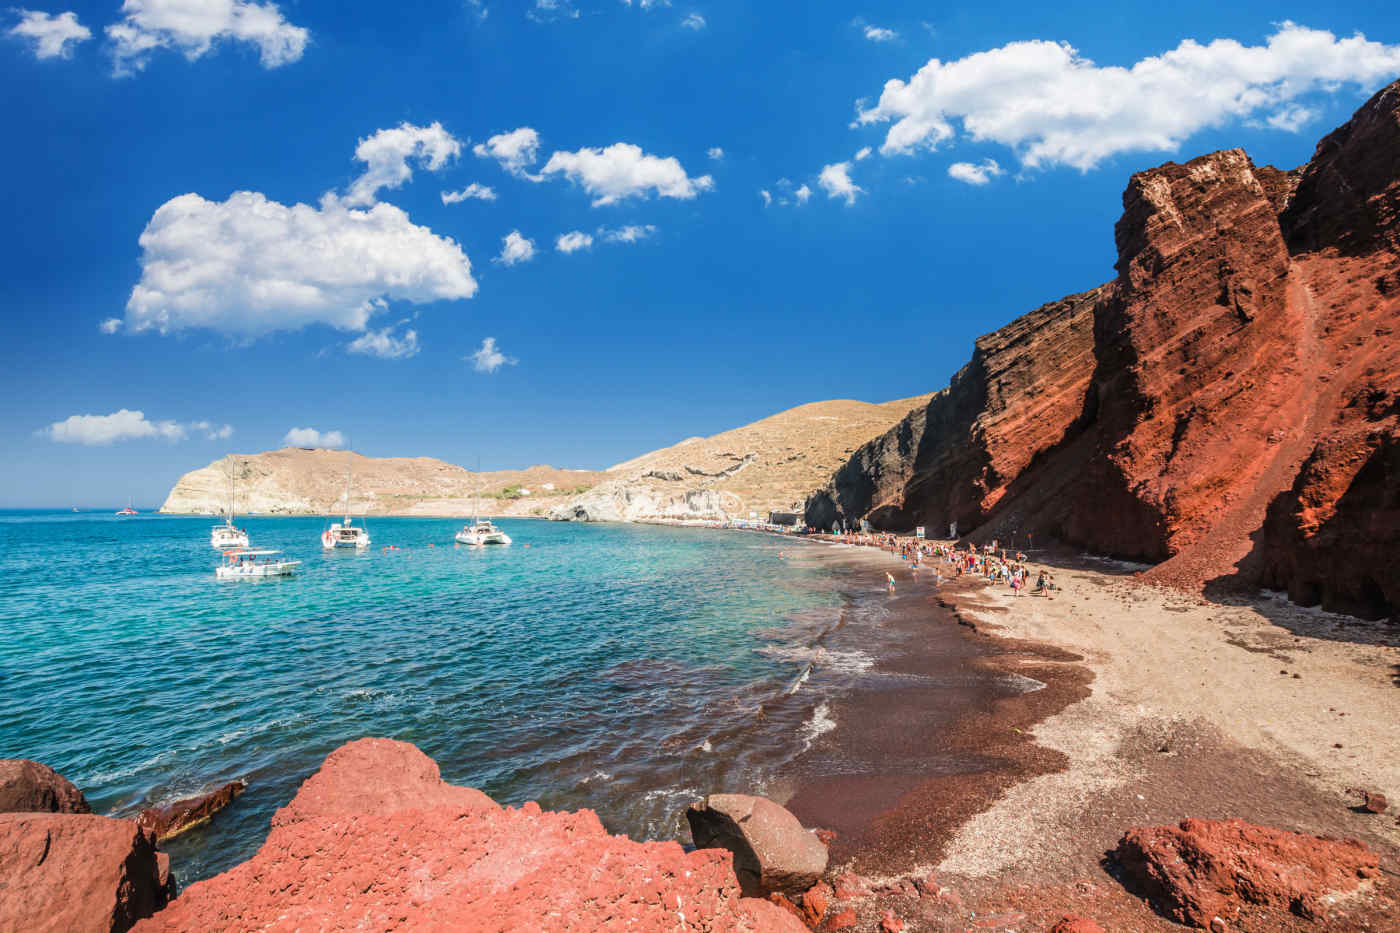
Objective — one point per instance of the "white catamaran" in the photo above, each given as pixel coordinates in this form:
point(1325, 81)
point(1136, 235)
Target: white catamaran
point(226, 536)
point(480, 530)
point(346, 533)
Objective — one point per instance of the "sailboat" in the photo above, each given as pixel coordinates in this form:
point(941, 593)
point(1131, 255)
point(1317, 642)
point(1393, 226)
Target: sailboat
point(128, 510)
point(226, 536)
point(480, 530)
point(346, 533)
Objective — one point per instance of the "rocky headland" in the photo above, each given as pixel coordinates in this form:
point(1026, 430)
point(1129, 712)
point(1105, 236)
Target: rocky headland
point(1227, 408)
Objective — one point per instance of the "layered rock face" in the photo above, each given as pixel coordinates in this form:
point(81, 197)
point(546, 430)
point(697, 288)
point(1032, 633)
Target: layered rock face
point(1227, 406)
point(376, 840)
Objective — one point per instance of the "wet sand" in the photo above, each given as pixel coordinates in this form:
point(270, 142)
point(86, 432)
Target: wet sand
point(1157, 706)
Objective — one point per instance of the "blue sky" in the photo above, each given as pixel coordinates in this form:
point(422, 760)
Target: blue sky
point(746, 255)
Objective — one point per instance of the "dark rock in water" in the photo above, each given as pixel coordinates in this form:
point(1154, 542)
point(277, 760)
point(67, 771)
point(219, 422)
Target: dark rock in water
point(174, 818)
point(772, 852)
point(29, 787)
point(77, 873)
point(1208, 868)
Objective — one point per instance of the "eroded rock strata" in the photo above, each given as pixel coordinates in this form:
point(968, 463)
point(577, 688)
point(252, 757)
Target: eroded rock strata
point(1228, 407)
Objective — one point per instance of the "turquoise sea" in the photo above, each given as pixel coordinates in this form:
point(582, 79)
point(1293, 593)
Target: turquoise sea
point(624, 668)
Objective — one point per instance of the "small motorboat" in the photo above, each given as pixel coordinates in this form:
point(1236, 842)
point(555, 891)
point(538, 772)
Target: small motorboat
point(482, 531)
point(254, 564)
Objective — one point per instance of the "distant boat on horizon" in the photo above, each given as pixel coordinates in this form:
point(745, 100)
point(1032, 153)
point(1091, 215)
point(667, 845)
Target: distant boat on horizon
point(126, 511)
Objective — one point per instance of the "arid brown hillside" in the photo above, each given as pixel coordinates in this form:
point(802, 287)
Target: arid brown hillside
point(1228, 406)
point(298, 481)
point(765, 466)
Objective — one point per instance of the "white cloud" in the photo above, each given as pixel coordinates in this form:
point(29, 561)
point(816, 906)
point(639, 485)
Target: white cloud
point(835, 180)
point(249, 266)
point(213, 432)
point(480, 8)
point(515, 248)
point(978, 173)
point(623, 170)
point(386, 155)
point(880, 34)
point(101, 430)
point(310, 437)
point(50, 36)
point(1055, 107)
point(488, 358)
point(514, 150)
point(573, 241)
point(385, 344)
point(474, 191)
point(802, 194)
point(648, 4)
point(863, 154)
point(110, 325)
point(193, 26)
point(1291, 118)
point(766, 195)
point(548, 11)
point(716, 153)
point(694, 21)
point(628, 234)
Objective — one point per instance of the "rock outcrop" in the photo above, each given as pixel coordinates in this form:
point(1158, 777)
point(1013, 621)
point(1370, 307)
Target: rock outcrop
point(30, 787)
point(376, 840)
point(773, 854)
point(78, 873)
point(297, 481)
point(767, 466)
point(1203, 869)
point(1227, 407)
point(172, 819)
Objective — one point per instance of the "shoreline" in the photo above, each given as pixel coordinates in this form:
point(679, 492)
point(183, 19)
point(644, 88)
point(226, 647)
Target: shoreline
point(1159, 705)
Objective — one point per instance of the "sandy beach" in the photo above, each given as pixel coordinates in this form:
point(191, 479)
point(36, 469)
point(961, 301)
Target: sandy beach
point(1159, 705)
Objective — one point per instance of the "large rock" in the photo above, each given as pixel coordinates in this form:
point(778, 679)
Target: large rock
point(172, 819)
point(773, 854)
point(1227, 407)
point(1203, 869)
point(29, 787)
point(77, 873)
point(376, 840)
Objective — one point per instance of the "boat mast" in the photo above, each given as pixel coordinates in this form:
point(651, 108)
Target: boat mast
point(348, 464)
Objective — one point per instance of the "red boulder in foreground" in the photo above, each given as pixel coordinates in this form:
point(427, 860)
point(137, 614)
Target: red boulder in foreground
point(77, 873)
point(29, 787)
point(1211, 868)
point(376, 840)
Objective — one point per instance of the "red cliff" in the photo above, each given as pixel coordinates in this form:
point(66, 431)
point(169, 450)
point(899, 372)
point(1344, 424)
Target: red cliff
point(1228, 407)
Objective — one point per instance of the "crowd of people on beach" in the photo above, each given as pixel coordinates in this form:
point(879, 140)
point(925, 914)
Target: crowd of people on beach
point(992, 563)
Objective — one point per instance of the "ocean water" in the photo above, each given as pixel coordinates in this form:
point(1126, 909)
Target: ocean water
point(629, 669)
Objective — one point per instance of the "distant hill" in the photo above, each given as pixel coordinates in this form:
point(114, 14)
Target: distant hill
point(765, 466)
point(298, 481)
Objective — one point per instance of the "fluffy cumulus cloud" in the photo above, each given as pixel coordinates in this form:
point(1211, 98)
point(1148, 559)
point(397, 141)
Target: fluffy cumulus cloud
point(193, 26)
point(802, 194)
point(573, 241)
point(975, 173)
point(715, 153)
point(1053, 106)
point(249, 266)
point(122, 425)
point(488, 358)
point(694, 21)
point(835, 180)
point(213, 432)
point(385, 344)
point(50, 36)
point(516, 150)
point(880, 34)
point(515, 249)
point(387, 154)
point(110, 325)
point(472, 192)
point(310, 437)
point(623, 170)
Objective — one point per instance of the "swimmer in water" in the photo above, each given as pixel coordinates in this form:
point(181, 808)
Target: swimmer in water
point(890, 577)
